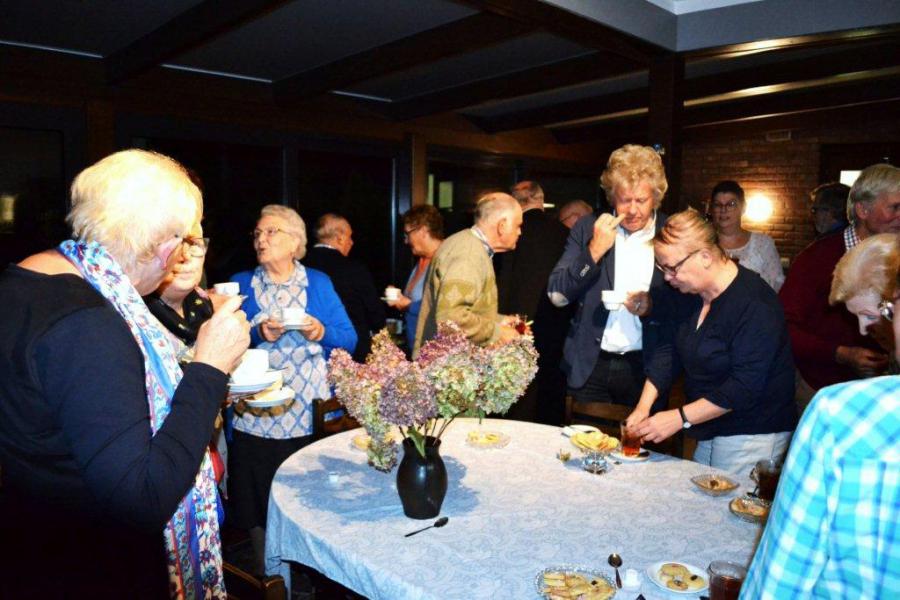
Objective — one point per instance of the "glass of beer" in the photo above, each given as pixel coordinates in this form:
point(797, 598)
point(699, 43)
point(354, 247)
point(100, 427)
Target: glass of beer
point(767, 474)
point(631, 441)
point(725, 580)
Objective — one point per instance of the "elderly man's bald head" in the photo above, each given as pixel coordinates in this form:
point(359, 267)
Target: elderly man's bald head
point(499, 217)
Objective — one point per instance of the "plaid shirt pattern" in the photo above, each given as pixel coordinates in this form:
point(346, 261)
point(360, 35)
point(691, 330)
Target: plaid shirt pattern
point(834, 528)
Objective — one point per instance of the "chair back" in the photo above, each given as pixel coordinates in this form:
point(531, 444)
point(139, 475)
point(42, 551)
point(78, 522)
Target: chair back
point(241, 585)
point(335, 424)
point(606, 416)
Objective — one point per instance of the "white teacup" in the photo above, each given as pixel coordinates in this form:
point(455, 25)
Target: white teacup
point(391, 293)
point(613, 299)
point(230, 288)
point(293, 316)
point(252, 367)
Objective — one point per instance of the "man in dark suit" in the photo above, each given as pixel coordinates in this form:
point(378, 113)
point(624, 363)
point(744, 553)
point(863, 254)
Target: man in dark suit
point(522, 289)
point(352, 280)
point(605, 350)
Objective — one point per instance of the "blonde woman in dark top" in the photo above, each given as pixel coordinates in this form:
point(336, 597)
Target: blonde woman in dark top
point(725, 331)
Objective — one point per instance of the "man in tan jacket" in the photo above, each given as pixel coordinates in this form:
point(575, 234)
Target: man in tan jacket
point(461, 285)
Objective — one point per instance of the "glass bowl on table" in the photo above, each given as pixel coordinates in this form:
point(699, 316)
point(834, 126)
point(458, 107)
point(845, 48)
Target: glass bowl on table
point(714, 484)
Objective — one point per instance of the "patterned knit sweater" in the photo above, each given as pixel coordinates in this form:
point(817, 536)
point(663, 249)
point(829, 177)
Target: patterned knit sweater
point(460, 286)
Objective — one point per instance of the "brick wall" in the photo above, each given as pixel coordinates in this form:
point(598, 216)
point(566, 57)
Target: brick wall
point(785, 172)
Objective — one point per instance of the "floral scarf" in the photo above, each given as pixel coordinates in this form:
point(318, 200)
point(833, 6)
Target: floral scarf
point(192, 540)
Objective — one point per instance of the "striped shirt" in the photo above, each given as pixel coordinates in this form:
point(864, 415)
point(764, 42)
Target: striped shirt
point(834, 529)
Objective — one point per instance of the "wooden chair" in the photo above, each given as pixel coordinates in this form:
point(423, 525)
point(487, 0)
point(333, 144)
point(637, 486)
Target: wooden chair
point(336, 424)
point(241, 585)
point(603, 415)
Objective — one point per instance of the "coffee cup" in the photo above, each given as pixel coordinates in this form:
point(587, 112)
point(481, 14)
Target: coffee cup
point(293, 316)
point(230, 288)
point(254, 364)
point(391, 293)
point(613, 299)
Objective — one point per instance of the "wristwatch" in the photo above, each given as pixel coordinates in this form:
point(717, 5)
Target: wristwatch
point(685, 424)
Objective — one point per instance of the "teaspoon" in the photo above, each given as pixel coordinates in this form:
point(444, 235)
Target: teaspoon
point(439, 523)
point(615, 561)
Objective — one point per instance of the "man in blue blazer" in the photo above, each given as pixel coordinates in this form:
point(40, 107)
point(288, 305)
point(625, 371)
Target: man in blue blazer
point(609, 343)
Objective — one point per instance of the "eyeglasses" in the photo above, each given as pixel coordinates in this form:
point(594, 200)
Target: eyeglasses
point(725, 206)
point(673, 270)
point(196, 246)
point(267, 233)
point(818, 209)
point(409, 232)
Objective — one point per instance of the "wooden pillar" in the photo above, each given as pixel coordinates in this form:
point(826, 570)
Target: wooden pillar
point(101, 129)
point(419, 166)
point(665, 119)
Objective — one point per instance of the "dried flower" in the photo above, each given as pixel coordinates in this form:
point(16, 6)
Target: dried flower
point(451, 377)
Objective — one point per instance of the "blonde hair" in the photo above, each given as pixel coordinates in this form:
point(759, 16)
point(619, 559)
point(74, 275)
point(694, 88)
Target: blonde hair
point(874, 181)
point(871, 266)
point(293, 224)
point(690, 230)
point(490, 208)
point(131, 201)
point(632, 165)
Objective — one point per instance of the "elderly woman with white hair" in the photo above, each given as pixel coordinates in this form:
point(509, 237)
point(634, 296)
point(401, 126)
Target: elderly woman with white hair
point(108, 487)
point(865, 281)
point(264, 438)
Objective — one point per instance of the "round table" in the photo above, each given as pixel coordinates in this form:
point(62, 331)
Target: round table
point(513, 511)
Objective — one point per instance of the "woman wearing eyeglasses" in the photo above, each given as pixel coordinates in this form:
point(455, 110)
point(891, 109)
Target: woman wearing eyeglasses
point(264, 438)
point(423, 232)
point(726, 332)
point(752, 249)
point(178, 303)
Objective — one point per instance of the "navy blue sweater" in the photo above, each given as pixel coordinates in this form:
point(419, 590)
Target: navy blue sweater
point(84, 481)
point(739, 358)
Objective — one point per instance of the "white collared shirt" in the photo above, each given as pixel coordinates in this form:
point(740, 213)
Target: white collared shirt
point(633, 272)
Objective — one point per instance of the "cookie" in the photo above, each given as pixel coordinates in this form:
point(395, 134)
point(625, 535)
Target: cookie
point(695, 582)
point(674, 570)
point(677, 584)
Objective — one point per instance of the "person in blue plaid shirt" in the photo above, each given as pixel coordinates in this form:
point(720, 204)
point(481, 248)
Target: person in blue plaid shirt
point(834, 529)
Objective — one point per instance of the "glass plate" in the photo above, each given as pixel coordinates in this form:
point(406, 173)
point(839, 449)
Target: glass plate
point(725, 485)
point(741, 507)
point(589, 574)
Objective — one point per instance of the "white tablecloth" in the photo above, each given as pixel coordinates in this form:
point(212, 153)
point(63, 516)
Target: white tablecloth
point(513, 511)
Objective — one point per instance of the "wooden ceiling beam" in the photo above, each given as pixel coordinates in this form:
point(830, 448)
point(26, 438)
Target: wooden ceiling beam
point(572, 71)
point(563, 111)
point(458, 37)
point(561, 22)
point(752, 109)
point(815, 40)
point(856, 59)
point(195, 26)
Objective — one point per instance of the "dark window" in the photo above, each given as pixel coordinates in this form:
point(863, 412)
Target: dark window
point(32, 192)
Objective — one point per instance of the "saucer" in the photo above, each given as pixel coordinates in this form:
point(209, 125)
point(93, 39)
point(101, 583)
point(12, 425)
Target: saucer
point(270, 399)
point(251, 387)
point(294, 326)
point(643, 455)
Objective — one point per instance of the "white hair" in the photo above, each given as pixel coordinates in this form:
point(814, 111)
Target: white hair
point(131, 201)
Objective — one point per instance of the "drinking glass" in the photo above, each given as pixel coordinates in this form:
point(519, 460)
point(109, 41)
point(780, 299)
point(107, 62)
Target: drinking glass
point(766, 474)
point(725, 580)
point(631, 442)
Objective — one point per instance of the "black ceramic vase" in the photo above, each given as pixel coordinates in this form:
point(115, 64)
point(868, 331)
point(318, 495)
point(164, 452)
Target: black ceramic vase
point(422, 481)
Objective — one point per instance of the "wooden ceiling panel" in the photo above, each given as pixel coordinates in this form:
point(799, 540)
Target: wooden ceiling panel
point(465, 35)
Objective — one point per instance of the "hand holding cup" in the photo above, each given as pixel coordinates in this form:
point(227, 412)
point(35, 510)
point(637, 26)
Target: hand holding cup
point(222, 340)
